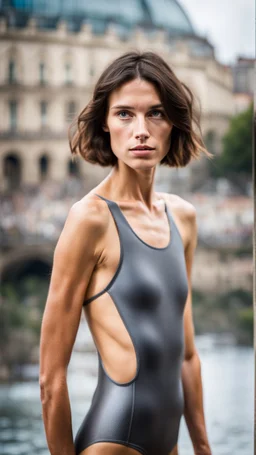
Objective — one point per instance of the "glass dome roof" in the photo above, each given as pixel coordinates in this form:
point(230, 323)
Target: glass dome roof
point(150, 14)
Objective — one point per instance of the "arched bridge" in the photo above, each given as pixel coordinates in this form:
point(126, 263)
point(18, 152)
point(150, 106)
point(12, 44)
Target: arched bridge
point(15, 263)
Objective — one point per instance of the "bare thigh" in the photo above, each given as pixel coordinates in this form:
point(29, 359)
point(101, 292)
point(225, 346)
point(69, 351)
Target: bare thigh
point(103, 448)
point(108, 448)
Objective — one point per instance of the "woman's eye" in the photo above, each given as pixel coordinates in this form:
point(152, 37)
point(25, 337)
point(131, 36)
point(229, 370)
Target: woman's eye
point(157, 114)
point(123, 114)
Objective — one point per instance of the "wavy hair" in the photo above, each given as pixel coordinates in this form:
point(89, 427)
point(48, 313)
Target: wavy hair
point(86, 135)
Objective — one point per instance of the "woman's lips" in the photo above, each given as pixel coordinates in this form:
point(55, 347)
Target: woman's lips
point(142, 152)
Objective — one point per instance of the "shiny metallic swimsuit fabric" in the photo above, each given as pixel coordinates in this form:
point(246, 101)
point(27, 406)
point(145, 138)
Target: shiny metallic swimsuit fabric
point(149, 290)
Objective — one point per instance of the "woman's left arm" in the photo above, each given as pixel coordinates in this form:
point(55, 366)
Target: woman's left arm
point(191, 367)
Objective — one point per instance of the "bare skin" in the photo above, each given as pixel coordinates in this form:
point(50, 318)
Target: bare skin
point(110, 335)
point(86, 258)
point(103, 320)
point(115, 449)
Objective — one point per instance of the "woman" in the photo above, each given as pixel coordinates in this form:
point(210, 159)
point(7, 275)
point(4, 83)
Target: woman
point(125, 257)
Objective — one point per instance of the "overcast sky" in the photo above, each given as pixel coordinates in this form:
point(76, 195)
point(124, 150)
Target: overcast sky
point(228, 24)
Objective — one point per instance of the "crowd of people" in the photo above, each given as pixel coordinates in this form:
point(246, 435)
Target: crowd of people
point(36, 215)
point(224, 220)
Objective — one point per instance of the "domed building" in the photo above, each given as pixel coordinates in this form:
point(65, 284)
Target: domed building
point(148, 14)
point(52, 52)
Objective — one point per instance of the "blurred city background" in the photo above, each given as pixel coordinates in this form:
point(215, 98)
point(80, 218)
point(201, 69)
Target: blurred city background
point(52, 52)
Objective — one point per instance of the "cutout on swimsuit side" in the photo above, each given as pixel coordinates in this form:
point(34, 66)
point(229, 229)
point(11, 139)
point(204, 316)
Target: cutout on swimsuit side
point(112, 340)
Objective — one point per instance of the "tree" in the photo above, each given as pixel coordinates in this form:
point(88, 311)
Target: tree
point(235, 162)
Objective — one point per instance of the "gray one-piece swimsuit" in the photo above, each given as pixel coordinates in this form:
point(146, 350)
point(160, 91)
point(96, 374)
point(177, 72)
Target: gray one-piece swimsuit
point(149, 290)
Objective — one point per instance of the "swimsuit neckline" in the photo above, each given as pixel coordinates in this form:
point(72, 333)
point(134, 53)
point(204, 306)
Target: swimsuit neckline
point(169, 219)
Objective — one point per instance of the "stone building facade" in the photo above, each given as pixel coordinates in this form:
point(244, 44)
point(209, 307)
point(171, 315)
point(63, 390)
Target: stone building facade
point(47, 76)
point(244, 82)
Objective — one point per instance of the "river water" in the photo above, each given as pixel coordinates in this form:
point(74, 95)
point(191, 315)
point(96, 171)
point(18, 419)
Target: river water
point(227, 372)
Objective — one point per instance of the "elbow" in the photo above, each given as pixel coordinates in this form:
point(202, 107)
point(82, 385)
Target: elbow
point(50, 386)
point(191, 366)
point(45, 389)
point(192, 356)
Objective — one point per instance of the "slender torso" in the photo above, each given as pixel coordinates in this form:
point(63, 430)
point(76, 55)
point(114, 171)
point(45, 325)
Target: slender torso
point(135, 313)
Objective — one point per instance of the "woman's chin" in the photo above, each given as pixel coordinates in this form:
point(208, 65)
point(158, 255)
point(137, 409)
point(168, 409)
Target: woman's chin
point(142, 163)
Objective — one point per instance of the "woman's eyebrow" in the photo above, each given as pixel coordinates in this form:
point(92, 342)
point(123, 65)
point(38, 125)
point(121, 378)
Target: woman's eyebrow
point(155, 106)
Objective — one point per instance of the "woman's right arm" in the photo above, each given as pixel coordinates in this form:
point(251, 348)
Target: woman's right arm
point(77, 252)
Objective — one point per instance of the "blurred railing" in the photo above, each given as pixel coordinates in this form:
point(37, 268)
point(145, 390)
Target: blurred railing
point(41, 134)
point(44, 87)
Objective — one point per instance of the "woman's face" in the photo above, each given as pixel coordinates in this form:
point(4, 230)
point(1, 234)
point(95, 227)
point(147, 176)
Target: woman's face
point(138, 126)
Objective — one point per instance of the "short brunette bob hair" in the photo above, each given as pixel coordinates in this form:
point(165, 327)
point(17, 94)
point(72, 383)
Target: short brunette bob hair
point(93, 144)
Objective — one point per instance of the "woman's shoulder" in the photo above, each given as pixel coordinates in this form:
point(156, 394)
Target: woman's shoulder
point(184, 214)
point(90, 212)
point(180, 206)
point(84, 230)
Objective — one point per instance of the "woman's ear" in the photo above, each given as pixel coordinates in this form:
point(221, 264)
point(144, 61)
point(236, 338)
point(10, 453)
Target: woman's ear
point(105, 128)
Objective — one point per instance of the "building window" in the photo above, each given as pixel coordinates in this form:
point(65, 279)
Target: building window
point(44, 166)
point(68, 74)
point(42, 77)
point(13, 108)
point(12, 171)
point(12, 72)
point(43, 113)
point(73, 168)
point(22, 4)
point(71, 110)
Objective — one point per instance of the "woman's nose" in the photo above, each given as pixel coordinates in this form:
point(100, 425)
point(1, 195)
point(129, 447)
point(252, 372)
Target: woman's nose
point(140, 129)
